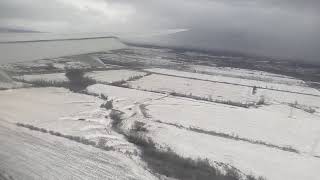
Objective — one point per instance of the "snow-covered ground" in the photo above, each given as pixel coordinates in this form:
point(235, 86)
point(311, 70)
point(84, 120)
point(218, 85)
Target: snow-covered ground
point(292, 85)
point(270, 124)
point(113, 75)
point(32, 155)
point(7, 83)
point(12, 85)
point(54, 77)
point(272, 140)
point(107, 76)
point(222, 91)
point(194, 87)
point(68, 113)
point(141, 56)
point(245, 74)
point(53, 65)
point(284, 97)
point(273, 124)
point(59, 110)
point(122, 96)
point(251, 159)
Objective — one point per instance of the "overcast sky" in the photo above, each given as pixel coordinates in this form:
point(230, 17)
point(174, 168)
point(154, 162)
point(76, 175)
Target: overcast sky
point(280, 28)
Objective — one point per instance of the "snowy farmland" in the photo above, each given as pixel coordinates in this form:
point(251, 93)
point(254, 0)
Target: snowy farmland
point(54, 77)
point(170, 120)
point(255, 159)
point(111, 76)
point(151, 113)
point(291, 84)
point(246, 74)
point(226, 89)
point(69, 114)
point(6, 82)
point(34, 155)
point(194, 87)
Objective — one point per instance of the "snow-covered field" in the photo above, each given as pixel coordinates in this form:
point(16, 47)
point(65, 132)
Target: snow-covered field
point(59, 110)
point(222, 91)
point(7, 83)
point(277, 139)
point(54, 65)
point(284, 97)
point(245, 74)
point(32, 155)
point(54, 77)
point(194, 87)
point(141, 56)
point(270, 124)
point(251, 159)
point(292, 85)
point(113, 75)
point(12, 85)
point(107, 76)
point(123, 97)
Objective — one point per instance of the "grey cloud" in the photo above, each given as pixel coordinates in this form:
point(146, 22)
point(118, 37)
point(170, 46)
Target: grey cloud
point(279, 28)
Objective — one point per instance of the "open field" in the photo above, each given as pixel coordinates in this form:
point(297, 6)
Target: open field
point(134, 56)
point(6, 82)
point(106, 76)
point(269, 124)
point(34, 155)
point(66, 112)
point(221, 91)
point(272, 124)
point(258, 160)
point(149, 113)
point(55, 77)
point(111, 76)
point(169, 84)
point(245, 74)
point(263, 83)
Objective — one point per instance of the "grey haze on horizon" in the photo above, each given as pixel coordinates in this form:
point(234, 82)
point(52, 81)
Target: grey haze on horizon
point(276, 28)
